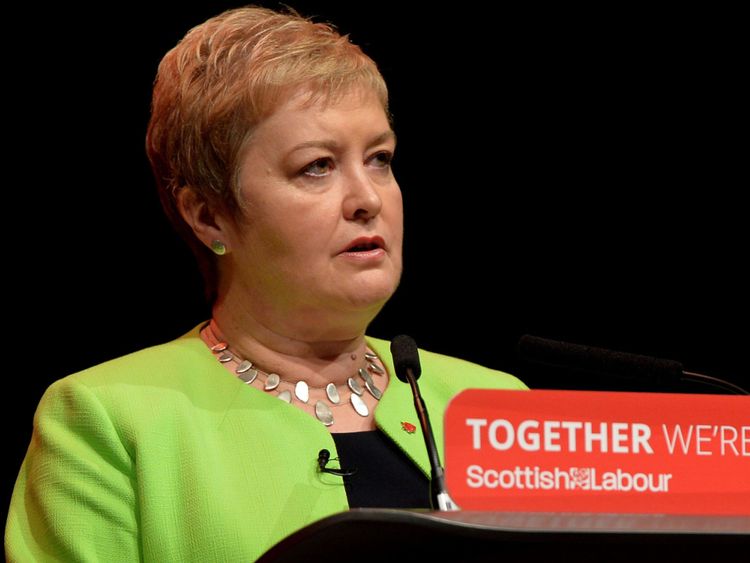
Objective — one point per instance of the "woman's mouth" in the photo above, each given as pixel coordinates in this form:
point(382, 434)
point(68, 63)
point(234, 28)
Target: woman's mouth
point(365, 248)
point(365, 244)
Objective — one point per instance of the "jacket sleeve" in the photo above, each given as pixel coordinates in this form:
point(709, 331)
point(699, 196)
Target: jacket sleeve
point(75, 496)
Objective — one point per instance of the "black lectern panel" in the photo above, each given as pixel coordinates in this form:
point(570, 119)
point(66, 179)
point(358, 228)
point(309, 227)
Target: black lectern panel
point(387, 536)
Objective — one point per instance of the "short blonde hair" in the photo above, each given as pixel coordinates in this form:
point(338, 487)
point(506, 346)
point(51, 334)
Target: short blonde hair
point(220, 81)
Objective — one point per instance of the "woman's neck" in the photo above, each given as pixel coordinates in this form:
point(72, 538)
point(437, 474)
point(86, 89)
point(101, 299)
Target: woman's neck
point(317, 361)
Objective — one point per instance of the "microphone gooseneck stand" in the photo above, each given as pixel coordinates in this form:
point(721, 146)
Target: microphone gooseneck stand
point(654, 371)
point(408, 369)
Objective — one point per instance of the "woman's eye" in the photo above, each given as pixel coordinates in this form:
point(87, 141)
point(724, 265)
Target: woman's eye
point(320, 167)
point(382, 159)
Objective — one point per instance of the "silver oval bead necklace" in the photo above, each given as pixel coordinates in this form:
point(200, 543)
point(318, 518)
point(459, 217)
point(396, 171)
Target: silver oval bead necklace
point(357, 384)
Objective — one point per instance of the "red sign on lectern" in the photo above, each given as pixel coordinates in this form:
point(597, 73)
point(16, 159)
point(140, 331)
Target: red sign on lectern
point(589, 451)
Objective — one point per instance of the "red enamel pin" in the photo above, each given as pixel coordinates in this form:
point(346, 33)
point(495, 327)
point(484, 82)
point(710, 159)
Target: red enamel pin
point(408, 427)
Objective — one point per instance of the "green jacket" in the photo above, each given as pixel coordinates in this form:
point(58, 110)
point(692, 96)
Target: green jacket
point(163, 455)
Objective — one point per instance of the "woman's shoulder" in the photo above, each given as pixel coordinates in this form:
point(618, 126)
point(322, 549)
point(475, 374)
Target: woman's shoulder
point(174, 374)
point(463, 374)
point(182, 356)
point(454, 372)
point(160, 383)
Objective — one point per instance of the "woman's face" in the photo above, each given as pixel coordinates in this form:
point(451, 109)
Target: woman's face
point(322, 232)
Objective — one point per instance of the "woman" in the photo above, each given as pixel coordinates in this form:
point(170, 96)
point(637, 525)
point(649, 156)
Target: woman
point(271, 146)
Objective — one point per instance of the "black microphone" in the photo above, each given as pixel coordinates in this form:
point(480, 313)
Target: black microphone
point(323, 457)
point(406, 361)
point(610, 362)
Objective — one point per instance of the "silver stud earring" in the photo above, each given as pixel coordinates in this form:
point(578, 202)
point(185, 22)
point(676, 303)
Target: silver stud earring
point(218, 247)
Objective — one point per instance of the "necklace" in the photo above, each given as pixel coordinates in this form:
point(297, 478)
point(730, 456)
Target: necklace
point(356, 385)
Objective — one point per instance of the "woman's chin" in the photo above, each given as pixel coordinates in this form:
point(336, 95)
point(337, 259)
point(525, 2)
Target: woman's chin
point(371, 296)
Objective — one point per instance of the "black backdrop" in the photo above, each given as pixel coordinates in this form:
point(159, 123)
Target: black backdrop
point(574, 174)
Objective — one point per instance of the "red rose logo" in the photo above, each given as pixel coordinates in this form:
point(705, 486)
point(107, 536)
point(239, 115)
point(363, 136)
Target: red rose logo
point(581, 477)
point(408, 427)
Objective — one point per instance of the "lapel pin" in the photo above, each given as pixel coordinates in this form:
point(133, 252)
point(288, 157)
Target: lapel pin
point(408, 427)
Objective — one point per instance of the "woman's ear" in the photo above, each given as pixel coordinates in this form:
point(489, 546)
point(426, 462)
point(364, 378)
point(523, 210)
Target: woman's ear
point(208, 225)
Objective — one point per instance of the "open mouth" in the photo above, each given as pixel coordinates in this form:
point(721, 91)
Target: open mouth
point(363, 247)
point(365, 244)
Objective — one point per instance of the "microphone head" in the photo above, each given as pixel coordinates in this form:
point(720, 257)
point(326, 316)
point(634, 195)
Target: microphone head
point(405, 357)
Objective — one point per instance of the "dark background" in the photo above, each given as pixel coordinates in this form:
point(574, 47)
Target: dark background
point(574, 174)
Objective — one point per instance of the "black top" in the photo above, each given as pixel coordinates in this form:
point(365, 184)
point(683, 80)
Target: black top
point(384, 478)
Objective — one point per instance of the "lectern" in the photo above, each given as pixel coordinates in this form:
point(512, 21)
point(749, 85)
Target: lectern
point(387, 535)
